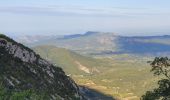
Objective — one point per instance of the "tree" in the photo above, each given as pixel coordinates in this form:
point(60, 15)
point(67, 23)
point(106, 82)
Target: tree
point(160, 67)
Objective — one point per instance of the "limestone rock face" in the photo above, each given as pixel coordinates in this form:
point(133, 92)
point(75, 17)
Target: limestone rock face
point(24, 69)
point(18, 51)
point(21, 53)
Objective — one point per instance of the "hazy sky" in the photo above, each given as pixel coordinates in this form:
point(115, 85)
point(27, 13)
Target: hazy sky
point(128, 17)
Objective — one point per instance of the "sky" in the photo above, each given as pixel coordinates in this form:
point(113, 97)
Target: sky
point(123, 17)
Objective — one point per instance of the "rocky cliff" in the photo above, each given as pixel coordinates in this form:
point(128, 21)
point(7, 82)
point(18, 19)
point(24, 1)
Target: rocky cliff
point(21, 69)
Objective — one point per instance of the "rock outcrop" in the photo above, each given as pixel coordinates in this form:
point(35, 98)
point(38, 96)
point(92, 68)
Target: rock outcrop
point(22, 69)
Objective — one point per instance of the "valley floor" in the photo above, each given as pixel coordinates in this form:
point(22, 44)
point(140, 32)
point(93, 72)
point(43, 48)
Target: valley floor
point(125, 77)
point(124, 81)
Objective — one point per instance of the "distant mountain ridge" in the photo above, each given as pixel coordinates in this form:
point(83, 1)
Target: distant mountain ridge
point(78, 35)
point(99, 43)
point(21, 69)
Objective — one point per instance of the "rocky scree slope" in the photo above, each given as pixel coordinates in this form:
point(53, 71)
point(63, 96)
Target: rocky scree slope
point(22, 69)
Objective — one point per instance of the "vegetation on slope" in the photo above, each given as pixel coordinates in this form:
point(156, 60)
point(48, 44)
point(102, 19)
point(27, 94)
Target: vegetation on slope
point(70, 61)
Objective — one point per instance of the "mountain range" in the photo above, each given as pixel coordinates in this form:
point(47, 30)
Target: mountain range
point(101, 43)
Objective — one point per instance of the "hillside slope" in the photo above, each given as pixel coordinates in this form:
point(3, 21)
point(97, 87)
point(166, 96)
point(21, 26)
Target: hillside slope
point(21, 69)
point(71, 62)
